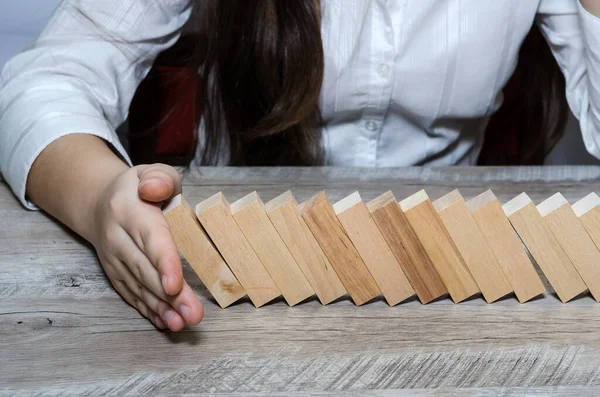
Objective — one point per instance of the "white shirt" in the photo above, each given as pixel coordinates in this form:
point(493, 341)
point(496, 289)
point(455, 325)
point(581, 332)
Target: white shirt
point(406, 81)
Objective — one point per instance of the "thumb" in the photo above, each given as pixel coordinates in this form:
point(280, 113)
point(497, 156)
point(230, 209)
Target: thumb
point(158, 182)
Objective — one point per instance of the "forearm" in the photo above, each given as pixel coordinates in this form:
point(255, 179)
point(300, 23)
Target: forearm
point(592, 6)
point(67, 177)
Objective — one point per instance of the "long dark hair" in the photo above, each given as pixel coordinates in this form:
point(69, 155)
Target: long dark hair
point(261, 78)
point(535, 111)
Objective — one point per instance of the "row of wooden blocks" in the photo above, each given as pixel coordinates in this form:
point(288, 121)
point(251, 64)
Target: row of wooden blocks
point(390, 248)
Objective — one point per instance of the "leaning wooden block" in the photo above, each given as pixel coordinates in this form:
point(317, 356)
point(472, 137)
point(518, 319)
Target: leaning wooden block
point(407, 248)
point(588, 211)
point(285, 217)
point(544, 248)
point(215, 216)
point(473, 247)
point(200, 253)
point(372, 247)
point(574, 239)
point(505, 245)
point(324, 225)
point(439, 246)
point(249, 213)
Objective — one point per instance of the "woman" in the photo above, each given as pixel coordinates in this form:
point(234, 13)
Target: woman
point(361, 83)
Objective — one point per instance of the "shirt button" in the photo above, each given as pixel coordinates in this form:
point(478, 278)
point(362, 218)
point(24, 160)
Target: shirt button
point(383, 70)
point(371, 126)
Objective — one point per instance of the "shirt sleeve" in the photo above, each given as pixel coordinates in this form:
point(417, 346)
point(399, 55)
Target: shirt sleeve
point(574, 37)
point(80, 76)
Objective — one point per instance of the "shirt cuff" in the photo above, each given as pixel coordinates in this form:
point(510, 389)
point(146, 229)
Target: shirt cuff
point(41, 134)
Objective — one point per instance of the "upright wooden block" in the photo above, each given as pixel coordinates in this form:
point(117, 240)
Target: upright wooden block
point(249, 213)
point(588, 211)
point(505, 245)
point(544, 248)
point(285, 216)
point(473, 247)
point(407, 248)
point(215, 216)
point(574, 239)
point(439, 246)
point(200, 253)
point(372, 247)
point(324, 225)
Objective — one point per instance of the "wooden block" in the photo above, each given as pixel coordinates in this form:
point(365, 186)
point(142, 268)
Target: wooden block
point(473, 247)
point(574, 239)
point(407, 248)
point(215, 216)
point(285, 216)
point(249, 213)
point(544, 248)
point(588, 211)
point(329, 233)
point(372, 247)
point(505, 245)
point(444, 255)
point(201, 254)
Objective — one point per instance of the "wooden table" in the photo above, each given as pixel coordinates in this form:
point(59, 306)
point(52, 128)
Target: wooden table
point(64, 330)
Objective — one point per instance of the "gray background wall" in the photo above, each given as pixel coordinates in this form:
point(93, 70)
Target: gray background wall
point(21, 21)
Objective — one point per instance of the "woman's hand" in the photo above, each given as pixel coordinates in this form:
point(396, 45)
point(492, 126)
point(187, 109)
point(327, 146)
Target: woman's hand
point(136, 249)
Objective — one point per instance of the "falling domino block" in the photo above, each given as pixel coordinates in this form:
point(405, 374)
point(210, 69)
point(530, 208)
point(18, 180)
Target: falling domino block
point(200, 253)
point(215, 216)
point(544, 248)
point(473, 247)
point(574, 239)
point(439, 246)
point(505, 245)
point(249, 213)
point(285, 217)
point(588, 211)
point(372, 247)
point(407, 248)
point(323, 223)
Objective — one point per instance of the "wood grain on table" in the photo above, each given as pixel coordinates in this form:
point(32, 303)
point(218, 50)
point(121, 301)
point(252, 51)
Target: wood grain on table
point(65, 331)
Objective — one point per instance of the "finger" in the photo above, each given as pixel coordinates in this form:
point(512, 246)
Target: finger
point(185, 302)
point(137, 303)
point(189, 305)
point(166, 312)
point(152, 235)
point(128, 252)
point(158, 182)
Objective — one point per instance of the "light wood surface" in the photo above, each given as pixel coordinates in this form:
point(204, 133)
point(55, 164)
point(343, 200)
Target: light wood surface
point(372, 247)
point(438, 244)
point(215, 216)
point(544, 247)
point(249, 213)
point(574, 239)
point(407, 247)
point(285, 216)
point(472, 246)
point(320, 218)
point(506, 246)
point(201, 254)
point(65, 331)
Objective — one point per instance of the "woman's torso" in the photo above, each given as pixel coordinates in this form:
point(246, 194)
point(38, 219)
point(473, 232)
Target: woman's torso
point(413, 82)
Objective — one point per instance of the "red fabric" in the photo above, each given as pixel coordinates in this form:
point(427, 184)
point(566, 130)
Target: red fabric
point(178, 96)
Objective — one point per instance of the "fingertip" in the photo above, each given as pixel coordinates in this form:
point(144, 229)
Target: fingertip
point(155, 189)
point(159, 323)
point(192, 314)
point(200, 316)
point(173, 320)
